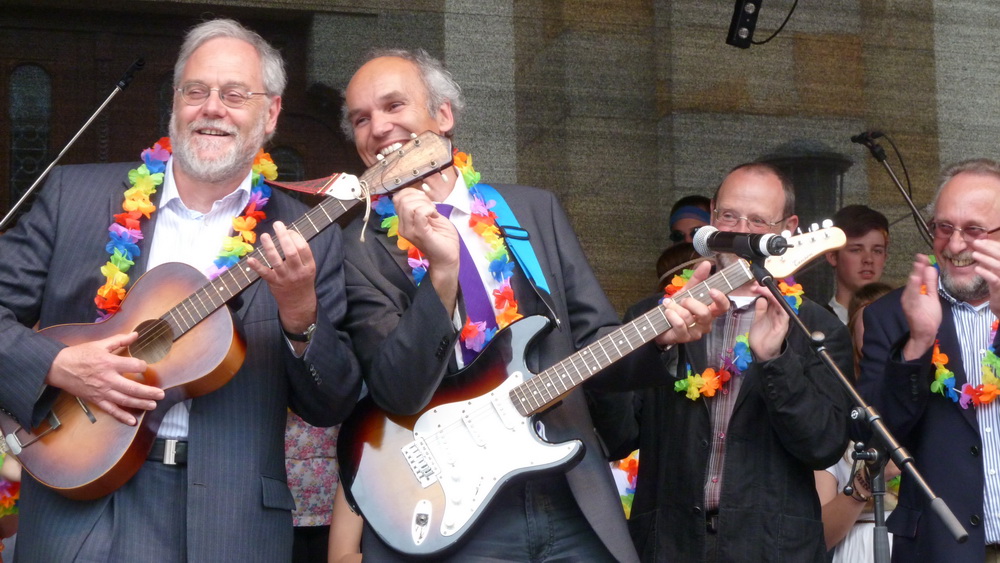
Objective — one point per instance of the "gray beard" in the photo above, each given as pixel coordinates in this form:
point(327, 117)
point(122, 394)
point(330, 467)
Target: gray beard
point(234, 163)
point(975, 290)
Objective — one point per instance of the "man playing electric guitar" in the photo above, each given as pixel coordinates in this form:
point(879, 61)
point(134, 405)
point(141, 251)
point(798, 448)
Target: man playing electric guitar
point(213, 487)
point(431, 284)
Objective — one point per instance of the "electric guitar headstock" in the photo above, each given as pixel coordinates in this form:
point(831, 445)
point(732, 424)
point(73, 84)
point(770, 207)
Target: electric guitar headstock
point(804, 248)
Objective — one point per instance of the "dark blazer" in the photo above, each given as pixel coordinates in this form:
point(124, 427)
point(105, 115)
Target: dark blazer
point(238, 504)
point(790, 418)
point(404, 338)
point(942, 437)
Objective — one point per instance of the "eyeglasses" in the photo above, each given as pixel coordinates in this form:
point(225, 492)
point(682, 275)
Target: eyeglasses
point(195, 94)
point(678, 236)
point(969, 234)
point(728, 218)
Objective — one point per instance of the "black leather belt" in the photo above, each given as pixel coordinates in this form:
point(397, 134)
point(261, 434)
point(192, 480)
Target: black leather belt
point(712, 521)
point(169, 452)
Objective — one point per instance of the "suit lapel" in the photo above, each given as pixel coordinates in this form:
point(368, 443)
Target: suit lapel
point(148, 227)
point(948, 341)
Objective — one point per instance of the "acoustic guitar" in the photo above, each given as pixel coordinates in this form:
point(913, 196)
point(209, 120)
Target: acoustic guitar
point(186, 336)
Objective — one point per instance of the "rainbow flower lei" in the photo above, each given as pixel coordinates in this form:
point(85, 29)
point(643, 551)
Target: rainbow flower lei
point(10, 493)
point(982, 394)
point(474, 334)
point(711, 381)
point(125, 232)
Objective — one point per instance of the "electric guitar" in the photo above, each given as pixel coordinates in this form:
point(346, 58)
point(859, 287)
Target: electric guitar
point(422, 481)
point(187, 338)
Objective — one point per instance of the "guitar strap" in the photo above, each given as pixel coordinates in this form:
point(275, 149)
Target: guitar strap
point(518, 242)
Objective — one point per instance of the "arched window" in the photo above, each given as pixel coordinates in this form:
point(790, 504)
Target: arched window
point(30, 115)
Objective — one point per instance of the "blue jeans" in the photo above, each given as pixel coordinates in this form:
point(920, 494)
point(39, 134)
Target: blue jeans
point(535, 521)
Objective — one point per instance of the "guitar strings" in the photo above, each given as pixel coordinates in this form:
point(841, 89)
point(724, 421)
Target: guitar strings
point(539, 386)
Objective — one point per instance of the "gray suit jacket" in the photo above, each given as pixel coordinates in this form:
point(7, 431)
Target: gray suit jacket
point(238, 503)
point(404, 339)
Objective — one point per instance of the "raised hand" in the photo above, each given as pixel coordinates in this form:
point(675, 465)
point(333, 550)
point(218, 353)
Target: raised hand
point(769, 327)
point(986, 253)
point(922, 308)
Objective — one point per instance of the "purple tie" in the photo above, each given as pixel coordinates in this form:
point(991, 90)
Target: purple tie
point(477, 302)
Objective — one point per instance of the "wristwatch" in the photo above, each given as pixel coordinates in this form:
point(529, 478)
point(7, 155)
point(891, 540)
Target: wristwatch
point(300, 337)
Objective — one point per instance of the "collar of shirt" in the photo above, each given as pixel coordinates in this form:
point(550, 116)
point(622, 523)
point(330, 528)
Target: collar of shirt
point(459, 196)
point(963, 304)
point(171, 197)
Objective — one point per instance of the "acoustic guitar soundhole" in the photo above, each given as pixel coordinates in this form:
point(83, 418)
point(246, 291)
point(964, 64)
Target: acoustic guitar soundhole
point(154, 342)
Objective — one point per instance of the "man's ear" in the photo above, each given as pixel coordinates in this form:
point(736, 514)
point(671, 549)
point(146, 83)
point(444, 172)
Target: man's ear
point(791, 223)
point(831, 257)
point(444, 118)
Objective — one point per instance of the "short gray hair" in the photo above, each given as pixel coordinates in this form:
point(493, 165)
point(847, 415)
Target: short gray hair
point(981, 166)
point(438, 81)
point(271, 65)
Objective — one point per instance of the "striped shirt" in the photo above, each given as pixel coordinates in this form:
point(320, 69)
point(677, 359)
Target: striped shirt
point(721, 340)
point(972, 324)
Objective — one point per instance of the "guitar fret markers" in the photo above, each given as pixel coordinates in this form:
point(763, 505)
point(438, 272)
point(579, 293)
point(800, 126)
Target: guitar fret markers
point(535, 394)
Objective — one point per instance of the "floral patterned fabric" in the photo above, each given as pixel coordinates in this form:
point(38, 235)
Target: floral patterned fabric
point(311, 464)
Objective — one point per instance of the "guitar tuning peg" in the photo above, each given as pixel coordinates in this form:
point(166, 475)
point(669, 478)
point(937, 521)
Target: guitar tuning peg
point(813, 228)
point(827, 223)
point(786, 233)
point(426, 188)
point(379, 157)
point(444, 177)
point(413, 135)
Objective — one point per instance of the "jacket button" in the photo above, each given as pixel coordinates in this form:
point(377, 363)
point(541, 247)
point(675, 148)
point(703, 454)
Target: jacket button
point(975, 520)
point(704, 443)
point(974, 450)
point(696, 510)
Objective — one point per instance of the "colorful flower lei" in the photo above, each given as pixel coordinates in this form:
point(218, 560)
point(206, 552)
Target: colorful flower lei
point(474, 334)
point(10, 493)
point(710, 381)
point(125, 231)
point(630, 468)
point(982, 394)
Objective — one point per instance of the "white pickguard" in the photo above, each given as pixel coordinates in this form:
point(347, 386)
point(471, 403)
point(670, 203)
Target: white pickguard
point(472, 447)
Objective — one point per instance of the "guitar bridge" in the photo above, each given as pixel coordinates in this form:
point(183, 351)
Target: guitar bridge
point(421, 462)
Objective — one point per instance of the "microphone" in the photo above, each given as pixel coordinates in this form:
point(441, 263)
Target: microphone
point(708, 241)
point(129, 74)
point(865, 137)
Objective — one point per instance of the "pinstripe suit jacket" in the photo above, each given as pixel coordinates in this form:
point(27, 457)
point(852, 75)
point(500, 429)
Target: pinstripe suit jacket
point(238, 503)
point(404, 339)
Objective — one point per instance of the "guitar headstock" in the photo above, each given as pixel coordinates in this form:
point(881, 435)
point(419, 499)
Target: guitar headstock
point(423, 155)
point(803, 248)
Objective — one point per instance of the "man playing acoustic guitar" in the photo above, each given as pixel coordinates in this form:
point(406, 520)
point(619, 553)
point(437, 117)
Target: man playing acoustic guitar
point(213, 485)
point(440, 275)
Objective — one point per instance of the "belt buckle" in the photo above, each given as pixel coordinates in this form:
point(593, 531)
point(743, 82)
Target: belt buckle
point(712, 523)
point(169, 452)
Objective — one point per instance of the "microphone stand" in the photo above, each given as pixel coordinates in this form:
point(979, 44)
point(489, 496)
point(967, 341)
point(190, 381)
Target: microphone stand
point(121, 85)
point(882, 440)
point(879, 154)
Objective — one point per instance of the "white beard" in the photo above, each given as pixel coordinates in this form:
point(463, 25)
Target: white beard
point(235, 162)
